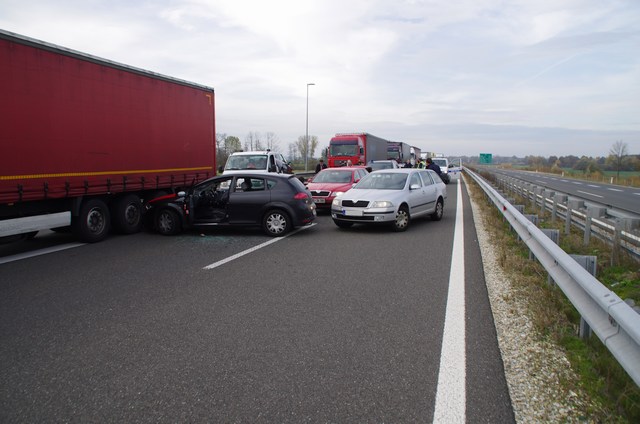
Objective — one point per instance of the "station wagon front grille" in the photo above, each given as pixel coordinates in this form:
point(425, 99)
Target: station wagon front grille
point(322, 193)
point(358, 204)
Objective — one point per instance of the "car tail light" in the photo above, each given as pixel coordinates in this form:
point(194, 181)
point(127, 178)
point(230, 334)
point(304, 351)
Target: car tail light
point(301, 196)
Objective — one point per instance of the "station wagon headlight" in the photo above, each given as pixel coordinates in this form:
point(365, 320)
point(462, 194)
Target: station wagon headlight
point(381, 204)
point(336, 202)
point(338, 193)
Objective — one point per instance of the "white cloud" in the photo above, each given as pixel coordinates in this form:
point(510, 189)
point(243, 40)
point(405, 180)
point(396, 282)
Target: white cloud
point(454, 74)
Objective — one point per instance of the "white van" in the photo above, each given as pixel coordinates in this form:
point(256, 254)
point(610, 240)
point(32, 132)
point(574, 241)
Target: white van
point(265, 161)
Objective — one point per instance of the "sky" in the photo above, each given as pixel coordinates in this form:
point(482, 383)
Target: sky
point(457, 77)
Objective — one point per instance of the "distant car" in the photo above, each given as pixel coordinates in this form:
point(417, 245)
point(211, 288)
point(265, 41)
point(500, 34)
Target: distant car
point(331, 182)
point(443, 163)
point(377, 165)
point(393, 197)
point(275, 202)
point(256, 161)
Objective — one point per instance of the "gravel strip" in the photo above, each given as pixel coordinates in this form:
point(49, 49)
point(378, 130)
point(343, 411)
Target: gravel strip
point(534, 368)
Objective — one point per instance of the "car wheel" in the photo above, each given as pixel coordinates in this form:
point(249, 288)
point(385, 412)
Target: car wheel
point(168, 222)
point(343, 224)
point(402, 219)
point(93, 223)
point(276, 223)
point(437, 214)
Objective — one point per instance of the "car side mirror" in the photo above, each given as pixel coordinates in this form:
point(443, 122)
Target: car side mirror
point(182, 193)
point(414, 186)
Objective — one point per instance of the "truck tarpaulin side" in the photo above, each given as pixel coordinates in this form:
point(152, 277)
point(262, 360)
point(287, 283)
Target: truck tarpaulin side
point(75, 126)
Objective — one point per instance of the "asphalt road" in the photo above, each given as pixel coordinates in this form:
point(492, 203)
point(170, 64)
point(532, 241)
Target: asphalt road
point(325, 325)
point(619, 197)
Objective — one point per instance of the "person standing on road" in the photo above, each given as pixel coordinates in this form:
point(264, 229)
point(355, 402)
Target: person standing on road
point(321, 165)
point(434, 167)
point(408, 164)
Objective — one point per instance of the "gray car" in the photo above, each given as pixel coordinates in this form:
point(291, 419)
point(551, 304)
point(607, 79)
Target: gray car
point(393, 197)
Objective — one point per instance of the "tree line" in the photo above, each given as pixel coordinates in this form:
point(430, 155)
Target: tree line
point(618, 160)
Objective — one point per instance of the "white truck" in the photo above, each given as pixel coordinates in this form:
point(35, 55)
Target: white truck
point(266, 161)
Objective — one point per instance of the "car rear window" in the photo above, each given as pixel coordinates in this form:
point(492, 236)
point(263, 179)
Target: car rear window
point(333, 176)
point(297, 184)
point(383, 181)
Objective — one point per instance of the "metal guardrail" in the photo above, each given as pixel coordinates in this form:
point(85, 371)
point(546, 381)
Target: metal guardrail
point(613, 226)
point(615, 323)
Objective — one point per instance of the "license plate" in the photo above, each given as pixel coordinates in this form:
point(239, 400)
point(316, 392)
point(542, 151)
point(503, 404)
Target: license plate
point(318, 200)
point(351, 212)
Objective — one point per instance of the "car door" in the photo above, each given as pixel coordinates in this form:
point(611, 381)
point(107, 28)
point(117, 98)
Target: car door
point(248, 196)
point(430, 189)
point(208, 202)
point(417, 198)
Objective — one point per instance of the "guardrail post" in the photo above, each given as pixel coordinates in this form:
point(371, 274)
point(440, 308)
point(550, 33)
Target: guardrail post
point(538, 191)
point(615, 250)
point(592, 212)
point(558, 198)
point(589, 263)
point(532, 218)
point(546, 194)
point(531, 190)
point(571, 205)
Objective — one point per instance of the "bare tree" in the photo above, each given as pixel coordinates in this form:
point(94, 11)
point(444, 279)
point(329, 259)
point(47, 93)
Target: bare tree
point(617, 155)
point(301, 144)
point(252, 142)
point(272, 141)
point(293, 152)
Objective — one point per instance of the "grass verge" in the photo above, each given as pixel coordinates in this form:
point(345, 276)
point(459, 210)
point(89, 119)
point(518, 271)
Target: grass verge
point(614, 397)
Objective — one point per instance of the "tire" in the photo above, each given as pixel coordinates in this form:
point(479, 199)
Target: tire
point(437, 214)
point(343, 224)
point(93, 223)
point(276, 223)
point(167, 222)
point(127, 214)
point(402, 220)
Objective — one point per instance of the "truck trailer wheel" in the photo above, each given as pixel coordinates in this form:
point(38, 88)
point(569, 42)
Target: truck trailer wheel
point(127, 214)
point(93, 222)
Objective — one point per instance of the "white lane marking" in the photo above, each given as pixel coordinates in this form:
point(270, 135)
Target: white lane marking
point(637, 194)
point(39, 252)
point(615, 189)
point(576, 182)
point(593, 185)
point(254, 248)
point(590, 194)
point(451, 391)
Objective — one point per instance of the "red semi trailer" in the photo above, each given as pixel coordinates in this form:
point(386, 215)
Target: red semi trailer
point(355, 148)
point(84, 141)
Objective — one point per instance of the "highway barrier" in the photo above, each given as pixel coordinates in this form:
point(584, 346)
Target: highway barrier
point(614, 321)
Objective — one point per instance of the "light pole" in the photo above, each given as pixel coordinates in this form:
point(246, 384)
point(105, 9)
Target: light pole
point(306, 153)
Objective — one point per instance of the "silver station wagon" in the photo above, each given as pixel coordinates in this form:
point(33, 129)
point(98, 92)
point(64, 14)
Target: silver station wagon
point(393, 197)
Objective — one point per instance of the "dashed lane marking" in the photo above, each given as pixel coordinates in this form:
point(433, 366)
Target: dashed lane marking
point(39, 252)
point(254, 248)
